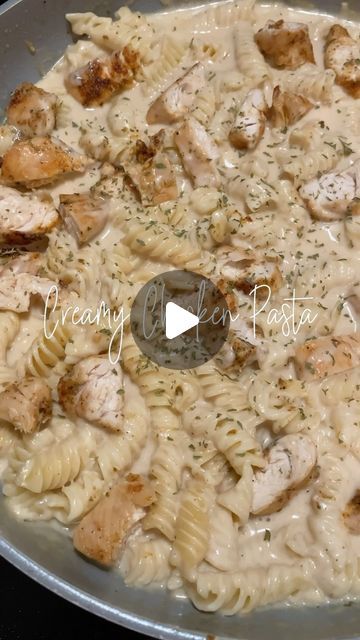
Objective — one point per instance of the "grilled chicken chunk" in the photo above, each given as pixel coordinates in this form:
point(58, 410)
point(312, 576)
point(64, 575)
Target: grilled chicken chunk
point(24, 263)
point(102, 532)
point(100, 79)
point(289, 463)
point(150, 171)
point(26, 404)
point(333, 195)
point(32, 110)
point(236, 353)
point(286, 45)
point(249, 125)
point(18, 284)
point(327, 356)
point(244, 269)
point(351, 514)
point(83, 214)
point(8, 135)
point(244, 352)
point(39, 161)
point(93, 390)
point(24, 217)
point(342, 55)
point(177, 99)
point(198, 153)
point(287, 108)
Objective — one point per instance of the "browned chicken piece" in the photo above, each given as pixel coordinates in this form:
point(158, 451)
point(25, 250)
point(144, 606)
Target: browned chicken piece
point(94, 390)
point(102, 533)
point(227, 289)
point(32, 110)
point(354, 206)
point(249, 125)
point(198, 153)
point(100, 79)
point(83, 214)
point(265, 273)
point(26, 404)
point(289, 464)
point(327, 356)
point(235, 354)
point(177, 99)
point(332, 196)
point(286, 45)
point(39, 161)
point(25, 217)
point(342, 55)
point(351, 514)
point(245, 269)
point(17, 289)
point(287, 108)
point(150, 171)
point(244, 352)
point(24, 263)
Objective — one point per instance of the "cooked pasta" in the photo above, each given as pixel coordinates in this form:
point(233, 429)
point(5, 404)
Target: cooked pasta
point(146, 561)
point(238, 480)
point(248, 57)
point(238, 499)
point(171, 53)
point(321, 160)
point(192, 528)
point(233, 592)
point(80, 496)
point(56, 466)
point(310, 82)
point(166, 469)
point(129, 28)
point(156, 241)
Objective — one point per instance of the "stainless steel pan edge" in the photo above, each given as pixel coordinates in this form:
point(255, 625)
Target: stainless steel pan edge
point(42, 552)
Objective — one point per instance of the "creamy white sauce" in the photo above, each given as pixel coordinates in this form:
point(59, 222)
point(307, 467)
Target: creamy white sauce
point(307, 249)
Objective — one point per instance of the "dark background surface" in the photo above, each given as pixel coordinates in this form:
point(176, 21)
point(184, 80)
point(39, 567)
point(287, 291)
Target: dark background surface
point(28, 611)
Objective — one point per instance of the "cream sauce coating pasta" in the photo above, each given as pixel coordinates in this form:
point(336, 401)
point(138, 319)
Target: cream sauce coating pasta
point(199, 539)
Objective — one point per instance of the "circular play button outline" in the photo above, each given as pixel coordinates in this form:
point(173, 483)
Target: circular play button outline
point(180, 319)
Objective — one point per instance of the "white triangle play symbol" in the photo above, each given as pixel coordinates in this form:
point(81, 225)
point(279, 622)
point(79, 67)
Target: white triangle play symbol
point(178, 320)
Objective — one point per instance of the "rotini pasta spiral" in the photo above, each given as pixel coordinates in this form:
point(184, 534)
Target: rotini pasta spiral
point(171, 53)
point(322, 159)
point(249, 60)
point(149, 238)
point(80, 496)
point(146, 561)
point(55, 467)
point(128, 29)
point(192, 528)
point(235, 442)
point(46, 352)
point(166, 470)
point(238, 499)
point(231, 593)
point(310, 82)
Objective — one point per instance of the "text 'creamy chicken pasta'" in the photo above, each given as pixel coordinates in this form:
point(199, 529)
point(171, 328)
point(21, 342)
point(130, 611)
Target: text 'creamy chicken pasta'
point(224, 141)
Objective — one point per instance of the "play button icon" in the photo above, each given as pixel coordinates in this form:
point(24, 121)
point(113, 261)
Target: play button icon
point(180, 319)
